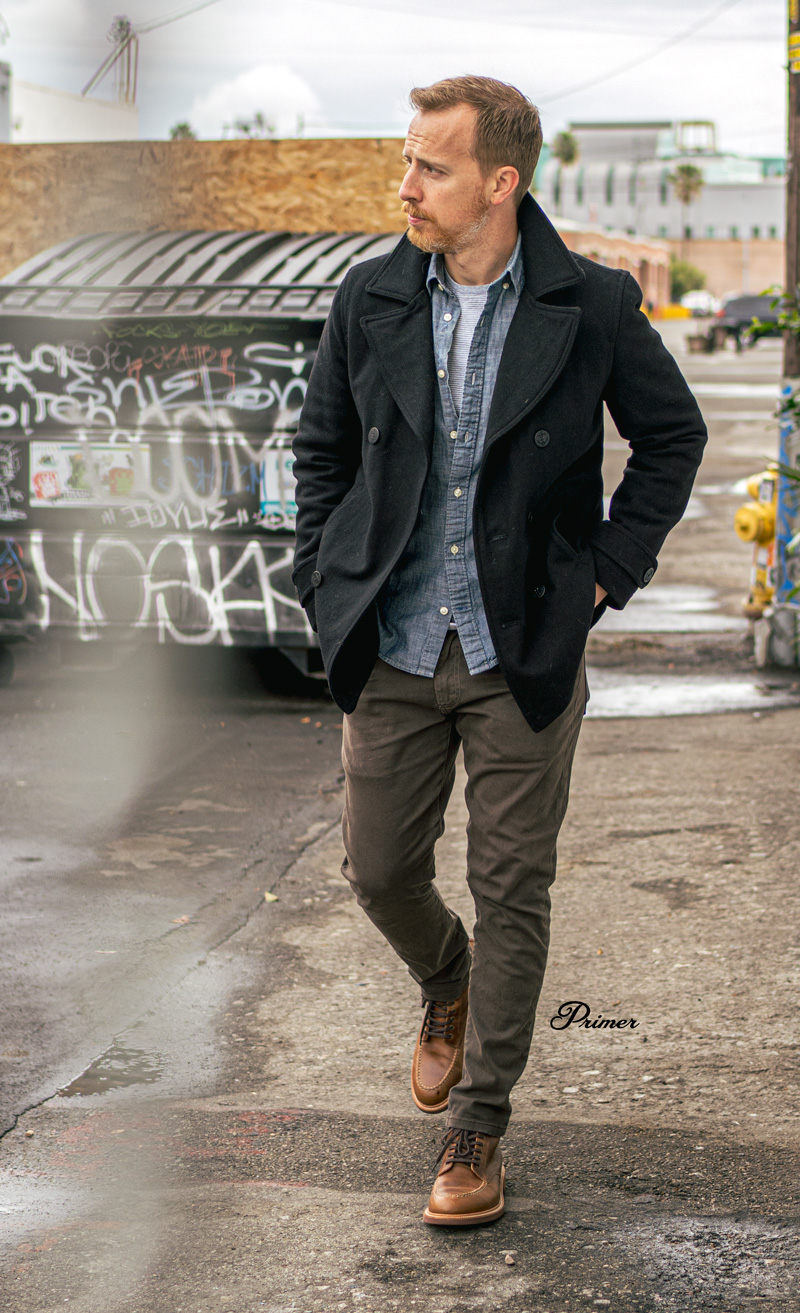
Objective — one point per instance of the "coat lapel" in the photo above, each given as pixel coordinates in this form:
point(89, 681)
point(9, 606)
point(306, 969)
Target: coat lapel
point(402, 340)
point(401, 336)
point(536, 349)
point(541, 335)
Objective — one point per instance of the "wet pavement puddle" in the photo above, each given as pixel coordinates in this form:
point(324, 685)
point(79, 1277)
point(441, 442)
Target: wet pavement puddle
point(672, 609)
point(117, 1068)
point(736, 390)
point(617, 694)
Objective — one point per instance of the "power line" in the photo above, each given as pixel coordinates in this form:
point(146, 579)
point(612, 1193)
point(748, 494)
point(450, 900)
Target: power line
point(173, 18)
point(539, 24)
point(641, 59)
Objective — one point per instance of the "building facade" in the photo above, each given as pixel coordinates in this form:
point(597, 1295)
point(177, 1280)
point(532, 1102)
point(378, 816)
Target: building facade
point(30, 113)
point(622, 179)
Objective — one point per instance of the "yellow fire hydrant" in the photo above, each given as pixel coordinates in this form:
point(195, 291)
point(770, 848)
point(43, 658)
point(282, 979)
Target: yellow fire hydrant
point(755, 523)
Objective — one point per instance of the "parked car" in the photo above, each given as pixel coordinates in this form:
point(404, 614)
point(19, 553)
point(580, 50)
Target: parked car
point(701, 303)
point(734, 320)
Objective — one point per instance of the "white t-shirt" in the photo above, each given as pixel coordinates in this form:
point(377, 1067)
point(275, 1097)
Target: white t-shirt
point(472, 300)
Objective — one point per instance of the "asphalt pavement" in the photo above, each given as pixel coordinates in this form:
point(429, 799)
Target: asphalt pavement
point(206, 1046)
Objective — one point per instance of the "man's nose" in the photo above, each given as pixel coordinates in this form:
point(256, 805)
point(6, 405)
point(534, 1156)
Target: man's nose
point(409, 187)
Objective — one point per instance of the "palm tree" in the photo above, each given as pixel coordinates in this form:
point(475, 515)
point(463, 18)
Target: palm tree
point(565, 147)
point(182, 132)
point(687, 181)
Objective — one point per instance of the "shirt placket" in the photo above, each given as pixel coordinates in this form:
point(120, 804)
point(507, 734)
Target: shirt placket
point(447, 311)
point(463, 468)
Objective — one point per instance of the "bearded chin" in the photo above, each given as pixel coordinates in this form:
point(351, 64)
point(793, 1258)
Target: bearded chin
point(441, 242)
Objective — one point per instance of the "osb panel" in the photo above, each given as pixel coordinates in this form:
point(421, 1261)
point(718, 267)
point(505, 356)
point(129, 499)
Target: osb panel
point(49, 193)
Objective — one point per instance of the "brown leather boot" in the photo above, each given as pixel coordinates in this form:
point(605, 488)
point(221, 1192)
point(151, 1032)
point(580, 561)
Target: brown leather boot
point(468, 1190)
point(439, 1053)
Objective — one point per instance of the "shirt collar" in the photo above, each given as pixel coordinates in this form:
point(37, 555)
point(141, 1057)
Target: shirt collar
point(437, 273)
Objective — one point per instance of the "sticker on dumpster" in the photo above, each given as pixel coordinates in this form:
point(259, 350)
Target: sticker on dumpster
point(88, 474)
point(277, 485)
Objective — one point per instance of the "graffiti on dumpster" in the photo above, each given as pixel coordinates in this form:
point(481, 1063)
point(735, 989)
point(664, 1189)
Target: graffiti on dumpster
point(164, 483)
point(117, 385)
point(86, 474)
point(13, 584)
point(10, 466)
point(187, 590)
point(149, 459)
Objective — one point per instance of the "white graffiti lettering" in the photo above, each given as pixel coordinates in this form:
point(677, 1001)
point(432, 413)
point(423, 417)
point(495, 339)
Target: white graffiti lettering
point(180, 586)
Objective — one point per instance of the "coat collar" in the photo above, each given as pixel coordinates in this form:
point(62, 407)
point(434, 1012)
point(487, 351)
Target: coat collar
point(547, 261)
point(536, 349)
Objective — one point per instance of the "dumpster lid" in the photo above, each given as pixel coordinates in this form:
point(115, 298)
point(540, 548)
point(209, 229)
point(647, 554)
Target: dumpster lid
point(235, 274)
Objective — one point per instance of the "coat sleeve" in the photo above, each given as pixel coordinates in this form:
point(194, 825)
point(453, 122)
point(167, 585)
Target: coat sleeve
point(327, 448)
point(655, 412)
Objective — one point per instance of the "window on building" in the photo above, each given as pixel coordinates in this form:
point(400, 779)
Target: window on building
point(632, 184)
point(710, 230)
point(756, 232)
point(610, 186)
point(557, 188)
point(734, 233)
point(687, 233)
point(579, 187)
point(773, 231)
point(662, 230)
point(664, 186)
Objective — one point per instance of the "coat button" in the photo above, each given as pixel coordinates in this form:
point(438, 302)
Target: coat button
point(648, 574)
point(538, 591)
point(373, 436)
point(541, 437)
point(316, 579)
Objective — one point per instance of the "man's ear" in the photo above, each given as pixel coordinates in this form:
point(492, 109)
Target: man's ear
point(506, 181)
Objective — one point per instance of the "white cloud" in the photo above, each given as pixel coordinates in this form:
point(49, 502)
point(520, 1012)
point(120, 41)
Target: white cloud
point(273, 90)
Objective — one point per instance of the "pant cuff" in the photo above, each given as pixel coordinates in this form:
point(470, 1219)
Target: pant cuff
point(446, 993)
point(464, 1124)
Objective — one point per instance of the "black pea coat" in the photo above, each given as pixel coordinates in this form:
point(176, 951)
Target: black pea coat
point(362, 452)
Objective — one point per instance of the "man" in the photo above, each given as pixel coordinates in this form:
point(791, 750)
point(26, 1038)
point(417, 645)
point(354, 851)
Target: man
point(453, 555)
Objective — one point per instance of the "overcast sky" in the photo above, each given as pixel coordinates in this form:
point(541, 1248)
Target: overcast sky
point(349, 66)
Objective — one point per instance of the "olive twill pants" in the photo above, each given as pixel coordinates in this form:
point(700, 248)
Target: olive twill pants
point(399, 754)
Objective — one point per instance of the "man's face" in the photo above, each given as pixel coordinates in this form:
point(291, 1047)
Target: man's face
point(445, 196)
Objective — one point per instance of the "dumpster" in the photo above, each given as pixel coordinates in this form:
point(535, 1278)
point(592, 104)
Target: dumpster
point(150, 386)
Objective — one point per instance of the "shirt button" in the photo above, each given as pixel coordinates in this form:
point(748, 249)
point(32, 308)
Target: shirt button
point(448, 317)
point(505, 287)
point(466, 437)
point(440, 372)
point(454, 550)
point(454, 433)
point(443, 610)
point(457, 492)
point(439, 285)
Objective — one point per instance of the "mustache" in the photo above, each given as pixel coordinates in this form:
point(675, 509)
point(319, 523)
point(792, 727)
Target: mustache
point(413, 213)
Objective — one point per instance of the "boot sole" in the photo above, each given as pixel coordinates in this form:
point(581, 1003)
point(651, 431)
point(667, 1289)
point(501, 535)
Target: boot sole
point(430, 1107)
point(469, 1219)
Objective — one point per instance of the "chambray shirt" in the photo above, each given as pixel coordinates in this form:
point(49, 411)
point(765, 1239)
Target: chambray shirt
point(435, 582)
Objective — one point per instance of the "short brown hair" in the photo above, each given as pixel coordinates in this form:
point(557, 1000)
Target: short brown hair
point(507, 131)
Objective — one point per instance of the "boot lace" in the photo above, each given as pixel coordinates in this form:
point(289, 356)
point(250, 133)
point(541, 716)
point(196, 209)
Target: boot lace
point(459, 1146)
point(439, 1021)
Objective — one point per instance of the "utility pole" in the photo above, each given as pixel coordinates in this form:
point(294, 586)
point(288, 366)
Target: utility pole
point(791, 349)
point(778, 636)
